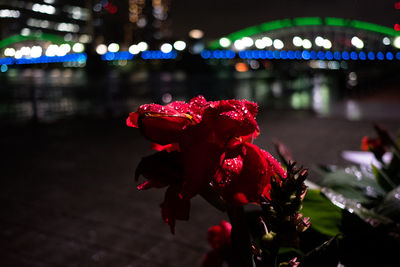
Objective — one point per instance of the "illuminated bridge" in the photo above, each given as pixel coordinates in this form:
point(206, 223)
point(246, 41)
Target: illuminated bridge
point(310, 38)
point(312, 33)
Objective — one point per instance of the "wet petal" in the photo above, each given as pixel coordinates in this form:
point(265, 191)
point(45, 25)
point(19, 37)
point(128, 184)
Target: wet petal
point(132, 120)
point(274, 164)
point(174, 207)
point(230, 118)
point(162, 124)
point(254, 177)
point(163, 129)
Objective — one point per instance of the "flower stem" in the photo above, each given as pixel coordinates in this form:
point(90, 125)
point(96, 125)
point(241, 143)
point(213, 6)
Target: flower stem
point(240, 238)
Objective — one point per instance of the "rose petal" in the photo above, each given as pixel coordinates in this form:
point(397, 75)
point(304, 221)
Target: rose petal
point(174, 207)
point(274, 164)
point(219, 236)
point(230, 119)
point(168, 148)
point(163, 129)
point(200, 163)
point(249, 185)
point(132, 120)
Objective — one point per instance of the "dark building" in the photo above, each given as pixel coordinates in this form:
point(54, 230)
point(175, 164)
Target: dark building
point(131, 21)
point(60, 17)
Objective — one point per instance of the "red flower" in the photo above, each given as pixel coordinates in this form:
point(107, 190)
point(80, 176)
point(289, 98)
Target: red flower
point(201, 130)
point(224, 124)
point(165, 124)
point(207, 142)
point(219, 237)
point(245, 174)
point(232, 119)
point(374, 145)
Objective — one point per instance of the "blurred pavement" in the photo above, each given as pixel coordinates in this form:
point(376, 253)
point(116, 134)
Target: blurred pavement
point(68, 197)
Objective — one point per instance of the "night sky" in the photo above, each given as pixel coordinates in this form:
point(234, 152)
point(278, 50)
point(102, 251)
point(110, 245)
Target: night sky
point(221, 17)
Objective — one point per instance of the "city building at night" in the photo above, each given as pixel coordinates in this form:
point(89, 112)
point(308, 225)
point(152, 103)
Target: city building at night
point(131, 22)
point(38, 26)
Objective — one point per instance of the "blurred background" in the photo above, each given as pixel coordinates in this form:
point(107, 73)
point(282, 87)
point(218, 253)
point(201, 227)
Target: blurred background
point(71, 71)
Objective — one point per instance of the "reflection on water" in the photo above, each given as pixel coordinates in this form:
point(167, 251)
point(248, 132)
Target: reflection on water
point(48, 95)
point(321, 96)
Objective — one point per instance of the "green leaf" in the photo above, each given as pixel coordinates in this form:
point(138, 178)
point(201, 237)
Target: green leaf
point(382, 179)
point(325, 217)
point(290, 250)
point(368, 215)
point(390, 206)
point(353, 182)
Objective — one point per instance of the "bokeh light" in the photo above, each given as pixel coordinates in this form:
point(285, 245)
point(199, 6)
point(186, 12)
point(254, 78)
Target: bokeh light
point(101, 49)
point(180, 45)
point(225, 42)
point(196, 34)
point(113, 47)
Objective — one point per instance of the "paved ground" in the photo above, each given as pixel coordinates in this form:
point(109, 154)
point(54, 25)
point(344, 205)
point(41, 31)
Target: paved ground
point(68, 198)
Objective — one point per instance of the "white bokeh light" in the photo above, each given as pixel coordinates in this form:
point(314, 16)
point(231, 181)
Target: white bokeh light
point(166, 48)
point(180, 45)
point(225, 42)
point(101, 49)
point(278, 44)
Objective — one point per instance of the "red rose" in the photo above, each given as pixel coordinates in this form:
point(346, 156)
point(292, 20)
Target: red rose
point(201, 130)
point(210, 144)
point(219, 237)
point(232, 119)
point(245, 173)
point(165, 124)
point(224, 125)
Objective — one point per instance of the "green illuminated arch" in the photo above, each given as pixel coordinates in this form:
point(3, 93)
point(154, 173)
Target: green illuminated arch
point(307, 21)
point(56, 39)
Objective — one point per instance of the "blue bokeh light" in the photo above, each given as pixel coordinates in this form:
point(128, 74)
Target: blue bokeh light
point(345, 55)
point(305, 55)
point(291, 54)
point(389, 55)
point(380, 56)
point(354, 55)
point(362, 55)
point(270, 54)
point(321, 55)
point(205, 54)
point(283, 54)
point(157, 54)
point(371, 56)
point(276, 54)
point(77, 57)
point(298, 54)
point(329, 55)
point(313, 55)
point(337, 55)
point(3, 68)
